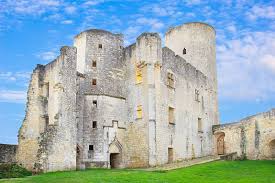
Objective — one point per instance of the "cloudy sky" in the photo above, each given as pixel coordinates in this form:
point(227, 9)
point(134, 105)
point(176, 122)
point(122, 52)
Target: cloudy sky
point(32, 31)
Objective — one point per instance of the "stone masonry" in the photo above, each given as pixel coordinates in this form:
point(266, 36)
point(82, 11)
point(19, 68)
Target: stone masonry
point(100, 104)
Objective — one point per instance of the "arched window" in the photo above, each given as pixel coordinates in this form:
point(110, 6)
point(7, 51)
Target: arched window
point(184, 51)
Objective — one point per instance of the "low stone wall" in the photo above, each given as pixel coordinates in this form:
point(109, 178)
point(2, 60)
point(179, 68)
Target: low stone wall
point(7, 153)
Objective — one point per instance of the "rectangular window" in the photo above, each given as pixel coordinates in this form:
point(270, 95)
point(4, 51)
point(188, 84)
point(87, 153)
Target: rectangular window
point(171, 115)
point(197, 95)
point(138, 75)
point(94, 124)
point(91, 147)
point(93, 63)
point(100, 46)
point(94, 103)
point(200, 125)
point(139, 111)
point(171, 80)
point(93, 82)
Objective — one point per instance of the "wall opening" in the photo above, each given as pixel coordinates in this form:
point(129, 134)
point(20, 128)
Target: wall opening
point(93, 82)
point(94, 103)
point(100, 46)
point(200, 128)
point(139, 111)
point(272, 148)
point(46, 89)
point(138, 75)
point(94, 124)
point(115, 160)
point(93, 63)
point(170, 80)
point(184, 51)
point(171, 115)
point(170, 155)
point(220, 144)
point(197, 95)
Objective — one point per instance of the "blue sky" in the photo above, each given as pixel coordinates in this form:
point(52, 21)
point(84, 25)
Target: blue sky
point(32, 32)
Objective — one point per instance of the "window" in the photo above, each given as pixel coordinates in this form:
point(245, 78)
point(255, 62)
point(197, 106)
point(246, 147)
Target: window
point(93, 63)
point(138, 75)
point(93, 82)
point(200, 125)
point(46, 121)
point(94, 124)
point(91, 147)
point(139, 111)
point(170, 80)
point(184, 51)
point(100, 46)
point(94, 103)
point(197, 95)
point(171, 115)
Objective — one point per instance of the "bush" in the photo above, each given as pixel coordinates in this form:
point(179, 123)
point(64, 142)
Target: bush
point(13, 171)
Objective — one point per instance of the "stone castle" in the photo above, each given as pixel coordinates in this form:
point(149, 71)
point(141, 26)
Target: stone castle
point(100, 104)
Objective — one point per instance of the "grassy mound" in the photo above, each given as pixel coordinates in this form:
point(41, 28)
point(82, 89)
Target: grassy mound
point(13, 171)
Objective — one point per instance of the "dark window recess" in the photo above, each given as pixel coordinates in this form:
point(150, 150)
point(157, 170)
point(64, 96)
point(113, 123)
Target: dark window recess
point(94, 63)
point(91, 147)
point(94, 103)
point(94, 82)
point(184, 51)
point(99, 45)
point(94, 124)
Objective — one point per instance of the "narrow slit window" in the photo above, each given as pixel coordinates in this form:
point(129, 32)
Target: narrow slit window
point(138, 75)
point(139, 111)
point(170, 80)
point(184, 51)
point(91, 147)
point(197, 95)
point(94, 103)
point(200, 125)
point(94, 124)
point(94, 82)
point(171, 115)
point(94, 63)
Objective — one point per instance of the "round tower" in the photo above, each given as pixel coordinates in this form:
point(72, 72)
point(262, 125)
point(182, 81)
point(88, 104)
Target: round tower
point(196, 43)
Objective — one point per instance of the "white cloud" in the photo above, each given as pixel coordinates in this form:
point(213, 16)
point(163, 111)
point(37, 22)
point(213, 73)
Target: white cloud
point(246, 67)
point(154, 23)
point(13, 96)
point(47, 56)
point(67, 22)
point(93, 2)
point(70, 9)
point(261, 11)
point(14, 76)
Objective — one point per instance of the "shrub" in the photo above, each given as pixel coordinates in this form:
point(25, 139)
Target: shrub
point(13, 171)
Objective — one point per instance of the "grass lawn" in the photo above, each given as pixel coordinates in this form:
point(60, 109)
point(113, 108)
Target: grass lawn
point(219, 171)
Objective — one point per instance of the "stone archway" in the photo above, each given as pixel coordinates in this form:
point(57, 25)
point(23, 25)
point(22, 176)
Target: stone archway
point(115, 151)
point(272, 148)
point(220, 143)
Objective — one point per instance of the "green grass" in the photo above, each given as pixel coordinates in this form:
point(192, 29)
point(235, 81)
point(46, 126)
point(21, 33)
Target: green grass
point(219, 171)
point(13, 170)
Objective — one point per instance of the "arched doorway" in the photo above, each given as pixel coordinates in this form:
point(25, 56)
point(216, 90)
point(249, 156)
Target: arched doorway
point(272, 148)
point(78, 157)
point(220, 144)
point(115, 150)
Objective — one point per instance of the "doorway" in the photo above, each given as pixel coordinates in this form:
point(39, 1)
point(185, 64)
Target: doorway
point(170, 155)
point(114, 160)
point(272, 148)
point(220, 144)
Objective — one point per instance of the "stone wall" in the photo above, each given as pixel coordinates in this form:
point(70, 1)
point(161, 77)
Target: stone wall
point(7, 153)
point(251, 138)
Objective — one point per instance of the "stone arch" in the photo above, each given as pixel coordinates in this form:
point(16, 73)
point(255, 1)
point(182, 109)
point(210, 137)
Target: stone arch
point(220, 145)
point(272, 149)
point(115, 151)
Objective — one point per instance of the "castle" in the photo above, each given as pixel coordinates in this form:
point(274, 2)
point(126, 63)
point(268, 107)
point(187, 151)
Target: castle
point(100, 104)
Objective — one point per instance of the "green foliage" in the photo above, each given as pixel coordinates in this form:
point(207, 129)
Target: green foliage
point(13, 171)
point(214, 172)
